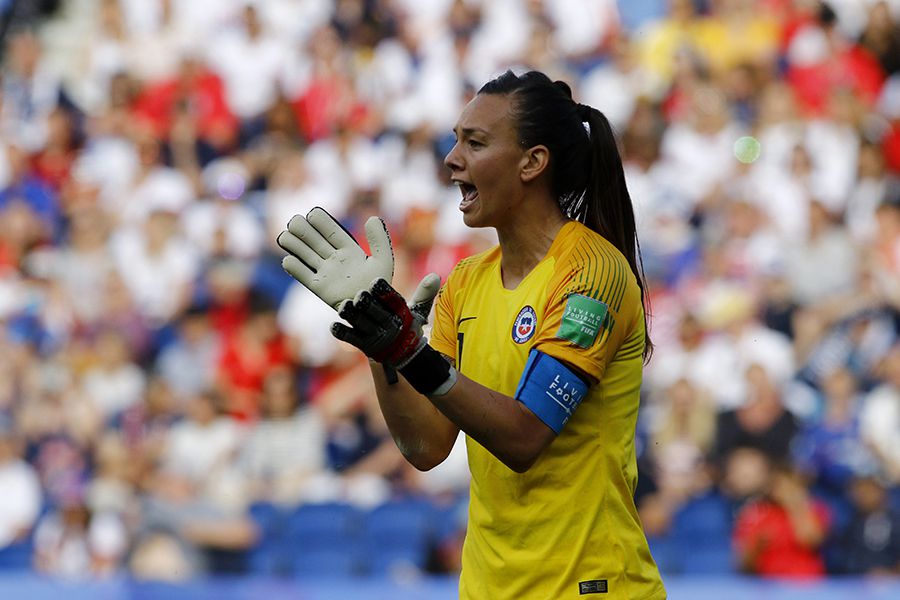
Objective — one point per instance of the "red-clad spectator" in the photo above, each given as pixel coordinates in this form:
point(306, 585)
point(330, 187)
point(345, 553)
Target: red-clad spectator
point(254, 350)
point(781, 534)
point(53, 163)
point(821, 59)
point(195, 91)
point(329, 99)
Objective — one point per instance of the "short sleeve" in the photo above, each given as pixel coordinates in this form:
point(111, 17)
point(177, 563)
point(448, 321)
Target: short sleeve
point(443, 330)
point(591, 307)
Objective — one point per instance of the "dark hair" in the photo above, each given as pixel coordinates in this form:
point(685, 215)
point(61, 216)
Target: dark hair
point(586, 170)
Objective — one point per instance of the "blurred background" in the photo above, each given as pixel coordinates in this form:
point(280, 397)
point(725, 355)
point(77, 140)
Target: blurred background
point(174, 412)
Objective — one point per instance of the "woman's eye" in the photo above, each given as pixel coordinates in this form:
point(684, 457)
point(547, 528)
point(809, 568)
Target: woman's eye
point(475, 144)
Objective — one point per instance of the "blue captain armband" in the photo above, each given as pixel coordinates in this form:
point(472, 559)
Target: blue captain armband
point(550, 389)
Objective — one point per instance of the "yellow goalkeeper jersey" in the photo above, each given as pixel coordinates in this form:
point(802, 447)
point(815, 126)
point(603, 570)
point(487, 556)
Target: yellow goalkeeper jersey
point(568, 527)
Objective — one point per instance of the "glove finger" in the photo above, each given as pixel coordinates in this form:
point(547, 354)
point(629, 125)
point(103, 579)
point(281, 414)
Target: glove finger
point(307, 234)
point(423, 298)
point(299, 271)
point(347, 334)
point(380, 244)
point(371, 306)
point(291, 243)
point(350, 311)
point(331, 229)
point(389, 298)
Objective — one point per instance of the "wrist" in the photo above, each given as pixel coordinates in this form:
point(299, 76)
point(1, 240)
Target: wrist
point(429, 373)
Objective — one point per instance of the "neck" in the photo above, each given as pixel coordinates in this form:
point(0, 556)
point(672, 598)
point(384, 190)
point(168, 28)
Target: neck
point(526, 238)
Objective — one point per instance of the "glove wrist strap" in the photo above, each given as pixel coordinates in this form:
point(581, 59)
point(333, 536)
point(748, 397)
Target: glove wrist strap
point(429, 373)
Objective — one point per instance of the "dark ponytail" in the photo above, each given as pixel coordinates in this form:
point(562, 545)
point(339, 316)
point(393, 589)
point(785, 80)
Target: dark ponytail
point(586, 170)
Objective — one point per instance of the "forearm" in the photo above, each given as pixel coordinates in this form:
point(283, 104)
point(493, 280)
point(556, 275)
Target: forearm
point(806, 526)
point(423, 435)
point(500, 423)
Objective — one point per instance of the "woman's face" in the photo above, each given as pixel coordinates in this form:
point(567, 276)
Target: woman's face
point(486, 161)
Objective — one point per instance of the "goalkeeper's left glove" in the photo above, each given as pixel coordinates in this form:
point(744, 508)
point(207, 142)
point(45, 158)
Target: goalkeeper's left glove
point(390, 332)
point(325, 258)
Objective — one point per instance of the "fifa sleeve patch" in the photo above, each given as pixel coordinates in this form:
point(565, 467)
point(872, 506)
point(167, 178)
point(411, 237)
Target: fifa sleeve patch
point(550, 389)
point(582, 319)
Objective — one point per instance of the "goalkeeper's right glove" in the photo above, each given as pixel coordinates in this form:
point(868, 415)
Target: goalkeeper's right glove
point(390, 332)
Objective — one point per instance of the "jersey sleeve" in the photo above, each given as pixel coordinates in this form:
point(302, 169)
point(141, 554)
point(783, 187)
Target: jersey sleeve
point(593, 299)
point(443, 330)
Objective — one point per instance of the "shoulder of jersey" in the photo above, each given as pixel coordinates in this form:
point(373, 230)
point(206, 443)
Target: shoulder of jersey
point(596, 267)
point(475, 262)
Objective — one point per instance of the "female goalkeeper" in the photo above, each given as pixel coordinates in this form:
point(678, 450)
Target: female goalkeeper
point(536, 353)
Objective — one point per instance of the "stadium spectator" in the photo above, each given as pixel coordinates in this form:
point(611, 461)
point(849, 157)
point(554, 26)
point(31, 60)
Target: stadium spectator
point(681, 440)
point(20, 503)
point(869, 544)
point(116, 116)
point(781, 534)
point(880, 418)
point(829, 447)
point(285, 452)
point(762, 422)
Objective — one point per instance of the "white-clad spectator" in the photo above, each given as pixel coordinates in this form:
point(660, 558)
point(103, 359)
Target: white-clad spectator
point(869, 189)
point(83, 265)
point(249, 60)
point(823, 264)
point(581, 26)
point(736, 340)
point(157, 265)
point(201, 444)
point(74, 543)
point(114, 382)
point(292, 191)
point(188, 364)
point(221, 223)
point(699, 148)
point(614, 86)
point(198, 471)
point(20, 502)
point(346, 161)
point(30, 90)
point(106, 51)
point(307, 322)
point(833, 147)
point(880, 417)
point(286, 448)
point(784, 193)
point(157, 40)
point(414, 181)
point(292, 20)
point(5, 170)
point(154, 186)
point(502, 37)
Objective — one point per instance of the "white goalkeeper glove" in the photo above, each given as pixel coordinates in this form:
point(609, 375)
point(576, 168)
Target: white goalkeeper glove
point(325, 258)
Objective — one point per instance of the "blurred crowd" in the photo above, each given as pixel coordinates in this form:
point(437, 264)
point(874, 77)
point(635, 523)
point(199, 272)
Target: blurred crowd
point(161, 375)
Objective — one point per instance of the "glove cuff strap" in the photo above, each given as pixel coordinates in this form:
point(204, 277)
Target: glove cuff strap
point(429, 373)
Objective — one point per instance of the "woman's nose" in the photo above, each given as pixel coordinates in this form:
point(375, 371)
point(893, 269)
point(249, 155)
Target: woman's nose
point(452, 160)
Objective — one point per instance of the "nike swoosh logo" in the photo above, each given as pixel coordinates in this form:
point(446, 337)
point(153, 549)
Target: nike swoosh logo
point(465, 319)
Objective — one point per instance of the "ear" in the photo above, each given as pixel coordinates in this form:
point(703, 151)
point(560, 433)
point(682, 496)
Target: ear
point(534, 162)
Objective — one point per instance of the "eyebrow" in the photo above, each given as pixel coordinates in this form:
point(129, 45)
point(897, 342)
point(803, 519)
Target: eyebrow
point(468, 131)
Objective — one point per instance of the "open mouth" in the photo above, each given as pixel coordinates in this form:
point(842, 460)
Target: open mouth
point(469, 194)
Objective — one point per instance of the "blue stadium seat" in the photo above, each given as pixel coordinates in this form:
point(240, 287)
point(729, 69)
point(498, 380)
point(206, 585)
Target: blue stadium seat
point(714, 559)
point(701, 534)
point(265, 558)
point(399, 535)
point(667, 553)
point(17, 556)
point(703, 521)
point(323, 539)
